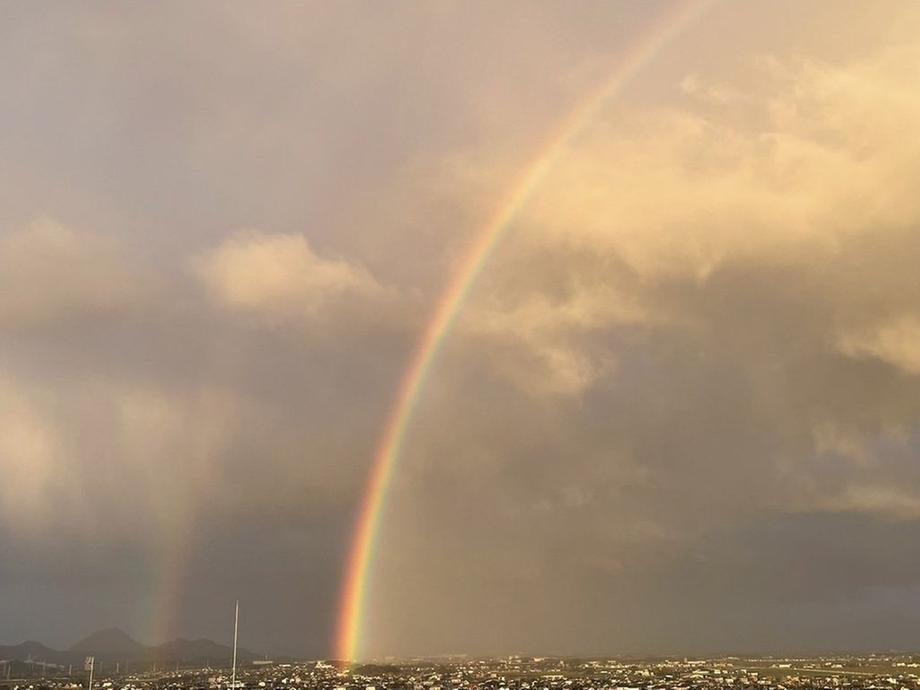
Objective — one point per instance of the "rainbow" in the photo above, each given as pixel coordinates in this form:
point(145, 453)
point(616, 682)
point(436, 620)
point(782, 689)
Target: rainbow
point(361, 555)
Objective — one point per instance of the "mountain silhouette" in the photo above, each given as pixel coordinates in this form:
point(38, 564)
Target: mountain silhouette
point(114, 646)
point(109, 641)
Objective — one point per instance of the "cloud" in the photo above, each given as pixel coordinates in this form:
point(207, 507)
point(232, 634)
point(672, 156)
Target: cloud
point(884, 501)
point(279, 274)
point(655, 206)
point(896, 342)
point(50, 273)
point(820, 165)
point(30, 458)
point(541, 334)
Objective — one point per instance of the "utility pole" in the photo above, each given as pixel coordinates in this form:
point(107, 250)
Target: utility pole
point(88, 665)
point(236, 625)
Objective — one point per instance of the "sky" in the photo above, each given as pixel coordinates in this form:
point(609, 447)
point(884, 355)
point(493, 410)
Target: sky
point(678, 414)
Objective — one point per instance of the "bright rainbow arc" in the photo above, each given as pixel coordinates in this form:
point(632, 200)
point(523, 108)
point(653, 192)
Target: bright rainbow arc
point(354, 592)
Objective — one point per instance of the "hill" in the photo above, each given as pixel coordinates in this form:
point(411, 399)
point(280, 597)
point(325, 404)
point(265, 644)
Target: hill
point(110, 641)
point(111, 646)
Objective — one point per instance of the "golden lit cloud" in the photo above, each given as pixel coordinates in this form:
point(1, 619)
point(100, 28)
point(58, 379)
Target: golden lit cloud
point(820, 155)
point(896, 342)
point(29, 458)
point(811, 170)
point(279, 274)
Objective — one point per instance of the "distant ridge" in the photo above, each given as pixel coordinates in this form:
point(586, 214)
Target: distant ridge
point(30, 649)
point(109, 641)
point(112, 645)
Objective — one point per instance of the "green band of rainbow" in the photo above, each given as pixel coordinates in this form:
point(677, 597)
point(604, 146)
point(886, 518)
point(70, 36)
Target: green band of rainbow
point(361, 555)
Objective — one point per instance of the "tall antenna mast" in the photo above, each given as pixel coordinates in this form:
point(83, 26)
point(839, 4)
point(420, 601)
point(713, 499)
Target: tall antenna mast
point(236, 625)
point(89, 664)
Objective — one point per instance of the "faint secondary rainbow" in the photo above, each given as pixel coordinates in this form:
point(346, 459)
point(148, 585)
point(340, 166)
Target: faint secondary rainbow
point(354, 592)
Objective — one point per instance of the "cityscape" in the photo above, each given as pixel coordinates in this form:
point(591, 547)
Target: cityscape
point(879, 671)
